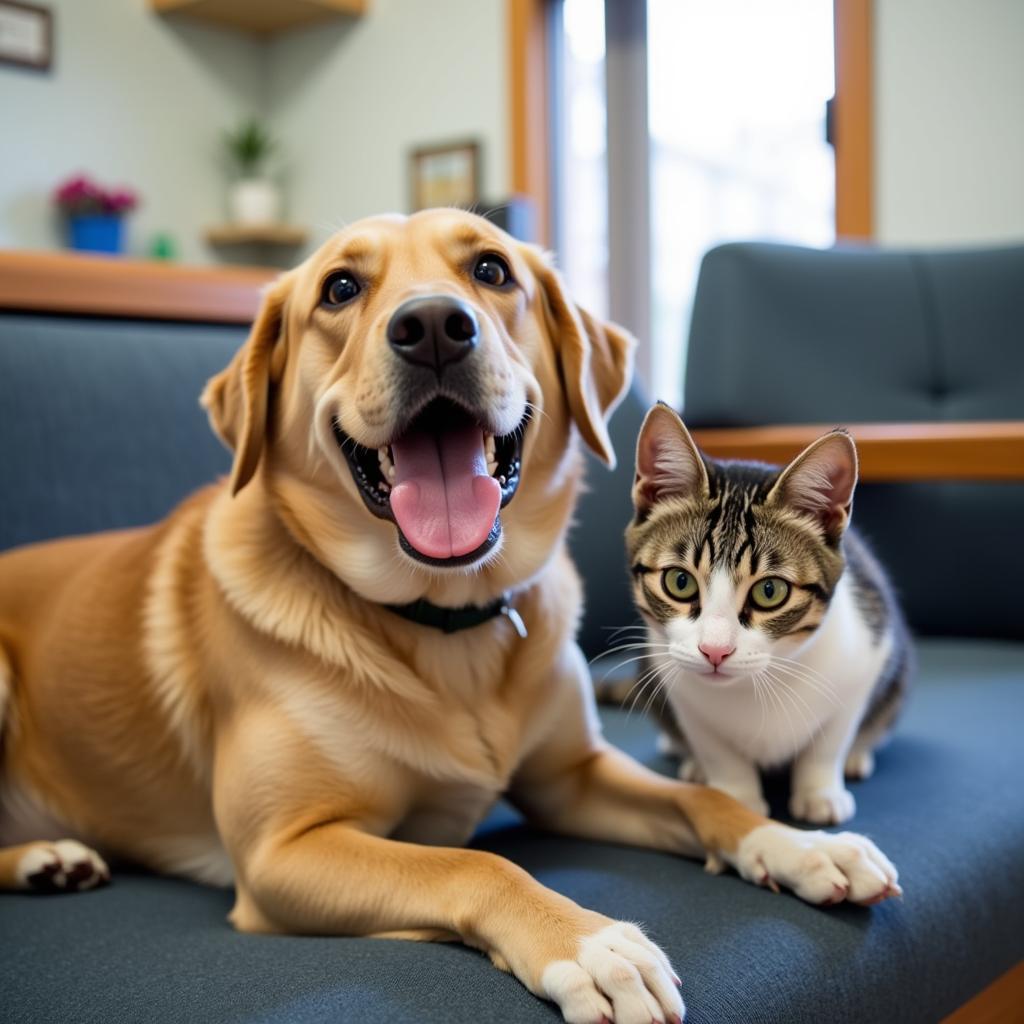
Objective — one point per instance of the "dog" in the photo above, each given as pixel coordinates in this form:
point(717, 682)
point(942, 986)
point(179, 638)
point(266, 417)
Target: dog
point(314, 678)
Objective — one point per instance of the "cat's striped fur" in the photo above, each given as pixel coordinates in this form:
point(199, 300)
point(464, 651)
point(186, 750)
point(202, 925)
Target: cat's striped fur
point(817, 681)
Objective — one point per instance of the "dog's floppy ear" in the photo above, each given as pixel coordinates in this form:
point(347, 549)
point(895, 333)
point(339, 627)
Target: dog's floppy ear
point(595, 358)
point(236, 399)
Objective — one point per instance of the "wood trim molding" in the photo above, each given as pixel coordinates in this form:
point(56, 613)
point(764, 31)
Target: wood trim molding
point(72, 283)
point(890, 451)
point(999, 1003)
point(529, 108)
point(853, 120)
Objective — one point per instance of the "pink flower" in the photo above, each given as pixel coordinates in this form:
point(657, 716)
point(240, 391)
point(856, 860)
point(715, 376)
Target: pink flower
point(80, 196)
point(121, 200)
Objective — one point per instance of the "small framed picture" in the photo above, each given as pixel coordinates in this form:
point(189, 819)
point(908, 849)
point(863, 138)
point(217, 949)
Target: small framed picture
point(446, 175)
point(26, 35)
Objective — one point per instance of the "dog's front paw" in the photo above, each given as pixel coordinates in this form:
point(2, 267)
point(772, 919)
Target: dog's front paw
point(820, 867)
point(618, 975)
point(62, 866)
point(830, 806)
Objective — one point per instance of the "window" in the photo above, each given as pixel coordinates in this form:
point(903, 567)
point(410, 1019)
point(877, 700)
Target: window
point(735, 96)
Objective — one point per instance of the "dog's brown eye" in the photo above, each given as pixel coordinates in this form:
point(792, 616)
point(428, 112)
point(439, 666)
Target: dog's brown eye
point(340, 288)
point(492, 270)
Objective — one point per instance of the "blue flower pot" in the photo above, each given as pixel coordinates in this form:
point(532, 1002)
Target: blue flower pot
point(97, 233)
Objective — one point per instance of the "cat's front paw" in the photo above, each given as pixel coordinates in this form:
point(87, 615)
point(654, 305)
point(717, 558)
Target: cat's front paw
point(831, 806)
point(818, 866)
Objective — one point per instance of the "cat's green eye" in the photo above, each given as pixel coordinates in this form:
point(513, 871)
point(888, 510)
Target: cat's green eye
point(679, 584)
point(769, 594)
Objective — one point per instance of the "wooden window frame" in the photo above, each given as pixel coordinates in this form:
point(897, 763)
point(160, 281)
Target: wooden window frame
point(853, 121)
point(530, 95)
point(529, 92)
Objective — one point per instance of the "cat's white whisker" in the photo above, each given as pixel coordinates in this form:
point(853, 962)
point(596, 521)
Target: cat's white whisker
point(811, 724)
point(656, 676)
point(641, 682)
point(817, 683)
point(647, 679)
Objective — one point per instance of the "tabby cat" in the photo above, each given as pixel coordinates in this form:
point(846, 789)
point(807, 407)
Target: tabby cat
point(772, 629)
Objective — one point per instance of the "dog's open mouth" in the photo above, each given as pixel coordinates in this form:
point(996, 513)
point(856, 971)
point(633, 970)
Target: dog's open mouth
point(442, 481)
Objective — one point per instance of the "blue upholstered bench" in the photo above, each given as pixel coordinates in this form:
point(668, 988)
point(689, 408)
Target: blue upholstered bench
point(99, 427)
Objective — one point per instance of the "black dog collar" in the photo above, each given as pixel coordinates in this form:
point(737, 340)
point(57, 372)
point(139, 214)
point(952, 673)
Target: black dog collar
point(452, 620)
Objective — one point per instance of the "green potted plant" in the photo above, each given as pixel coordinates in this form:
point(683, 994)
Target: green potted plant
point(253, 198)
point(94, 215)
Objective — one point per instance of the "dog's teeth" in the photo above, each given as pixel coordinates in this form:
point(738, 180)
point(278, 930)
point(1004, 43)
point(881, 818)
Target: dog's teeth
point(502, 480)
point(387, 467)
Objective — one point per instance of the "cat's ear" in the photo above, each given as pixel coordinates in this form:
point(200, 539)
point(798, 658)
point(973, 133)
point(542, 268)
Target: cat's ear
point(668, 463)
point(819, 483)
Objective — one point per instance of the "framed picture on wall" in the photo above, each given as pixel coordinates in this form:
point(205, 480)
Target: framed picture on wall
point(447, 175)
point(26, 35)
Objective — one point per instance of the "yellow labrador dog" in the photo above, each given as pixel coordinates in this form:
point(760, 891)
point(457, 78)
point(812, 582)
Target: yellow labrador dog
point(313, 679)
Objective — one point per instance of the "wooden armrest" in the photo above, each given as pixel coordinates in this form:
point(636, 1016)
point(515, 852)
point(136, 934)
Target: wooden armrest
point(70, 283)
point(890, 451)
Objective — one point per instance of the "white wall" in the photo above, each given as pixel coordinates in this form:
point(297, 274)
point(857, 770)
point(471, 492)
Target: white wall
point(949, 121)
point(132, 99)
point(349, 100)
point(142, 100)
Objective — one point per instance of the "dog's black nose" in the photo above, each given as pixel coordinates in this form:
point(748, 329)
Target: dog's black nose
point(433, 331)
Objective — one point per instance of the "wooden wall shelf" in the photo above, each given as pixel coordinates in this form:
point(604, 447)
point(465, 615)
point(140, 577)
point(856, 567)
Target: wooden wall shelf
point(264, 17)
point(76, 284)
point(256, 234)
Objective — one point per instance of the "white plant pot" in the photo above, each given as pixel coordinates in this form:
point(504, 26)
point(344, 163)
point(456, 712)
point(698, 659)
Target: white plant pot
point(254, 201)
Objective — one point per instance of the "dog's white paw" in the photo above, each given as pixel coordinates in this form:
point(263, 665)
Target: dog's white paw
point(820, 867)
point(62, 866)
point(860, 764)
point(830, 806)
point(618, 975)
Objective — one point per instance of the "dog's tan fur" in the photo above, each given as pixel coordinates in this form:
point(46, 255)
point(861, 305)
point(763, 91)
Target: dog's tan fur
point(222, 696)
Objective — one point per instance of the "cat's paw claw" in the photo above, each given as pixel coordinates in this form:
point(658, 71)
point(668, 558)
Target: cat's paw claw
point(823, 806)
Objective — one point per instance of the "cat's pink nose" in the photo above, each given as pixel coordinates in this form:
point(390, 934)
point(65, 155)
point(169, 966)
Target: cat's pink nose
point(716, 653)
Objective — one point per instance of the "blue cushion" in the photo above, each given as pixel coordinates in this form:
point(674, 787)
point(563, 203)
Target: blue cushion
point(100, 424)
point(946, 803)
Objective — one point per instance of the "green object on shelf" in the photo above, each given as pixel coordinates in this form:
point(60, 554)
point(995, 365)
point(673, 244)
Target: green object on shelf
point(163, 247)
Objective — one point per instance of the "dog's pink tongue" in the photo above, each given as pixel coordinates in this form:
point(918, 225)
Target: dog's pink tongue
point(443, 498)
